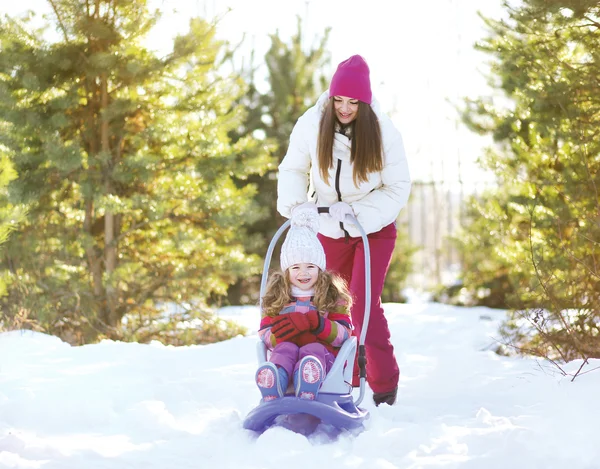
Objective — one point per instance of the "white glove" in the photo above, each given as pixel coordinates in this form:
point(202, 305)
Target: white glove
point(339, 210)
point(306, 206)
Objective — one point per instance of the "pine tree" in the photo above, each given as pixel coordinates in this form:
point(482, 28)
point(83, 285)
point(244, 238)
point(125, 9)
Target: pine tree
point(10, 215)
point(126, 168)
point(537, 237)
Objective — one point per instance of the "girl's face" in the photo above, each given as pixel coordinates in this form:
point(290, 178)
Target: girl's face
point(304, 276)
point(346, 109)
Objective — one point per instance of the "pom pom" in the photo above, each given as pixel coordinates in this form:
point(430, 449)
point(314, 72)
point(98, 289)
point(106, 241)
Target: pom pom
point(306, 217)
point(301, 244)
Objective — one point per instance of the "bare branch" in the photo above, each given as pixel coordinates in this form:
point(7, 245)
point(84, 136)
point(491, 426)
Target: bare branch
point(589, 371)
point(59, 19)
point(594, 23)
point(585, 362)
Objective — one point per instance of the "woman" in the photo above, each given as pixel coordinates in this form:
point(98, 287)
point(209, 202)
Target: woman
point(351, 158)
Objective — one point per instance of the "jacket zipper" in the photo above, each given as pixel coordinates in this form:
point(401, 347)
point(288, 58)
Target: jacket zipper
point(339, 194)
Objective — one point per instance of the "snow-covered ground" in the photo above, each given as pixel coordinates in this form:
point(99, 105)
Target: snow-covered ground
point(119, 405)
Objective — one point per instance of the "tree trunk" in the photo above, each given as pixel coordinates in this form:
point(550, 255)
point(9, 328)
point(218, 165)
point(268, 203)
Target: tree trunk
point(94, 261)
point(93, 257)
point(110, 249)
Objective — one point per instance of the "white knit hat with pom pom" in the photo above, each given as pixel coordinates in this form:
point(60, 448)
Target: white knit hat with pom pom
point(301, 243)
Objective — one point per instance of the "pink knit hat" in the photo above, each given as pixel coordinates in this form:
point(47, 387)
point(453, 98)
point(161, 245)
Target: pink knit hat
point(351, 79)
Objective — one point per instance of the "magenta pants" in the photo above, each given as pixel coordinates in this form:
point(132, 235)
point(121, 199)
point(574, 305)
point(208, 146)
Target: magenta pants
point(288, 355)
point(347, 258)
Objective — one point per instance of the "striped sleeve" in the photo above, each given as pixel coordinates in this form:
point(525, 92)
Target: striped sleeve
point(334, 329)
point(264, 332)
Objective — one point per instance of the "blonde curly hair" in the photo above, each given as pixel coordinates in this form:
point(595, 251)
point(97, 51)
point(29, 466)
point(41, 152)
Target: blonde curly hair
point(331, 293)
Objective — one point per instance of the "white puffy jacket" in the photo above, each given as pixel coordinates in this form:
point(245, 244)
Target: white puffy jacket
point(376, 203)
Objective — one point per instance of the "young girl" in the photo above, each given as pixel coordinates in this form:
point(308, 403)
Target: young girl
point(305, 314)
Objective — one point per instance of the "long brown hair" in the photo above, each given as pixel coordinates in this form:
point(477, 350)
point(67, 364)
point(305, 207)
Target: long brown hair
point(331, 293)
point(366, 153)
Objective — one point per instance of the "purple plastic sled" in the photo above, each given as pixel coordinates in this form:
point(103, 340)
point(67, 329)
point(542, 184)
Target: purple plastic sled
point(334, 405)
point(338, 411)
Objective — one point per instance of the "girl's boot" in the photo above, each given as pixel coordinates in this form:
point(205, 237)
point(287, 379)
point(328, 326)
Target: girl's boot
point(308, 378)
point(271, 381)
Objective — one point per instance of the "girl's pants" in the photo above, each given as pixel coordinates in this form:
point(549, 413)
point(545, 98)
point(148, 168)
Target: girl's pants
point(347, 258)
point(288, 355)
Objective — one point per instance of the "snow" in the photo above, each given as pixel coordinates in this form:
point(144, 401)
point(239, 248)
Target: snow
point(127, 405)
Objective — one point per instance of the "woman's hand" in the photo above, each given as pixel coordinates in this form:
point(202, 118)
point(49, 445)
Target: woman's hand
point(306, 206)
point(339, 210)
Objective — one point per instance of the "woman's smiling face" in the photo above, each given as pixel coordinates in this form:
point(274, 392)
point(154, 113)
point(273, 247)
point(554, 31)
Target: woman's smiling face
point(346, 109)
point(304, 276)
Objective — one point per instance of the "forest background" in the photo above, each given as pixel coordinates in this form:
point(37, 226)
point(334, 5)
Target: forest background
point(138, 171)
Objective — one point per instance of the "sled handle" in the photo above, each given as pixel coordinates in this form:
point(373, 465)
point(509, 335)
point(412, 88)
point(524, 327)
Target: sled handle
point(362, 359)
